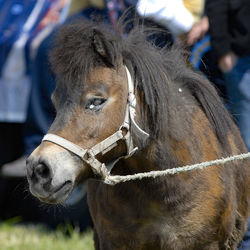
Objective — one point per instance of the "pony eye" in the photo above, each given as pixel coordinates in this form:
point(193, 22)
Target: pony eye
point(95, 104)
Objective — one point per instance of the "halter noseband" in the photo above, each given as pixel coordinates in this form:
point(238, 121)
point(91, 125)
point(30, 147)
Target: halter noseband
point(89, 155)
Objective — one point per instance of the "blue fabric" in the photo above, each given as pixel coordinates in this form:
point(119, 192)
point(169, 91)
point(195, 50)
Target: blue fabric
point(13, 16)
point(199, 50)
point(202, 59)
point(245, 244)
point(21, 22)
point(237, 82)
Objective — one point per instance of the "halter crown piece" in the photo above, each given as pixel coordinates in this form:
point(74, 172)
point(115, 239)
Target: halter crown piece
point(89, 155)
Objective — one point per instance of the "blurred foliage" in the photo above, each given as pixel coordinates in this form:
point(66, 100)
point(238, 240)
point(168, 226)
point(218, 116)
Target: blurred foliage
point(15, 236)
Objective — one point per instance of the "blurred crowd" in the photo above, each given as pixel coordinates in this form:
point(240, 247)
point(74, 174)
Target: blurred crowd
point(216, 33)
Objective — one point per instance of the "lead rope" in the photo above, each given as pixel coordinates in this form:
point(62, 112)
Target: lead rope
point(115, 179)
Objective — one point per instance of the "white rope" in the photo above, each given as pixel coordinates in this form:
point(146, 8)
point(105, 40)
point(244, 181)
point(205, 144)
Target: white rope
point(115, 179)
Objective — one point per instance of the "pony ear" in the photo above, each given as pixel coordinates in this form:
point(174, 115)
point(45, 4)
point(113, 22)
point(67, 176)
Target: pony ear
point(103, 47)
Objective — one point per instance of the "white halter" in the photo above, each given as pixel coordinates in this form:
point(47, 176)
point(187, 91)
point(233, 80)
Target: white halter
point(89, 155)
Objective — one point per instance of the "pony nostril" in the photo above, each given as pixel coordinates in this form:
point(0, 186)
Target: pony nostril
point(42, 171)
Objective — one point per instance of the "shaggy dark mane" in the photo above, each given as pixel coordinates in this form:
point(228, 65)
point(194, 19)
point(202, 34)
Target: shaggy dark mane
point(157, 72)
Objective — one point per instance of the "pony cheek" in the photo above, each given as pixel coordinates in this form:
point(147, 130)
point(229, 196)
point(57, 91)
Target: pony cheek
point(115, 112)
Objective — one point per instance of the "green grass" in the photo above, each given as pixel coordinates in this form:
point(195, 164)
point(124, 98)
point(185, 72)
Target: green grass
point(18, 237)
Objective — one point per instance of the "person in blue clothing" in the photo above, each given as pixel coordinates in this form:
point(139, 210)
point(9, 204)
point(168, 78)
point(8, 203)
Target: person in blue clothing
point(230, 39)
point(24, 25)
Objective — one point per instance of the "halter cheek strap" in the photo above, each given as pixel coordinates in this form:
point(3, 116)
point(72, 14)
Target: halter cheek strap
point(131, 106)
point(89, 155)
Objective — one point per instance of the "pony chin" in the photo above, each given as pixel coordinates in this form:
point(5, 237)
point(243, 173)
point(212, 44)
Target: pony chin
point(62, 169)
point(56, 196)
